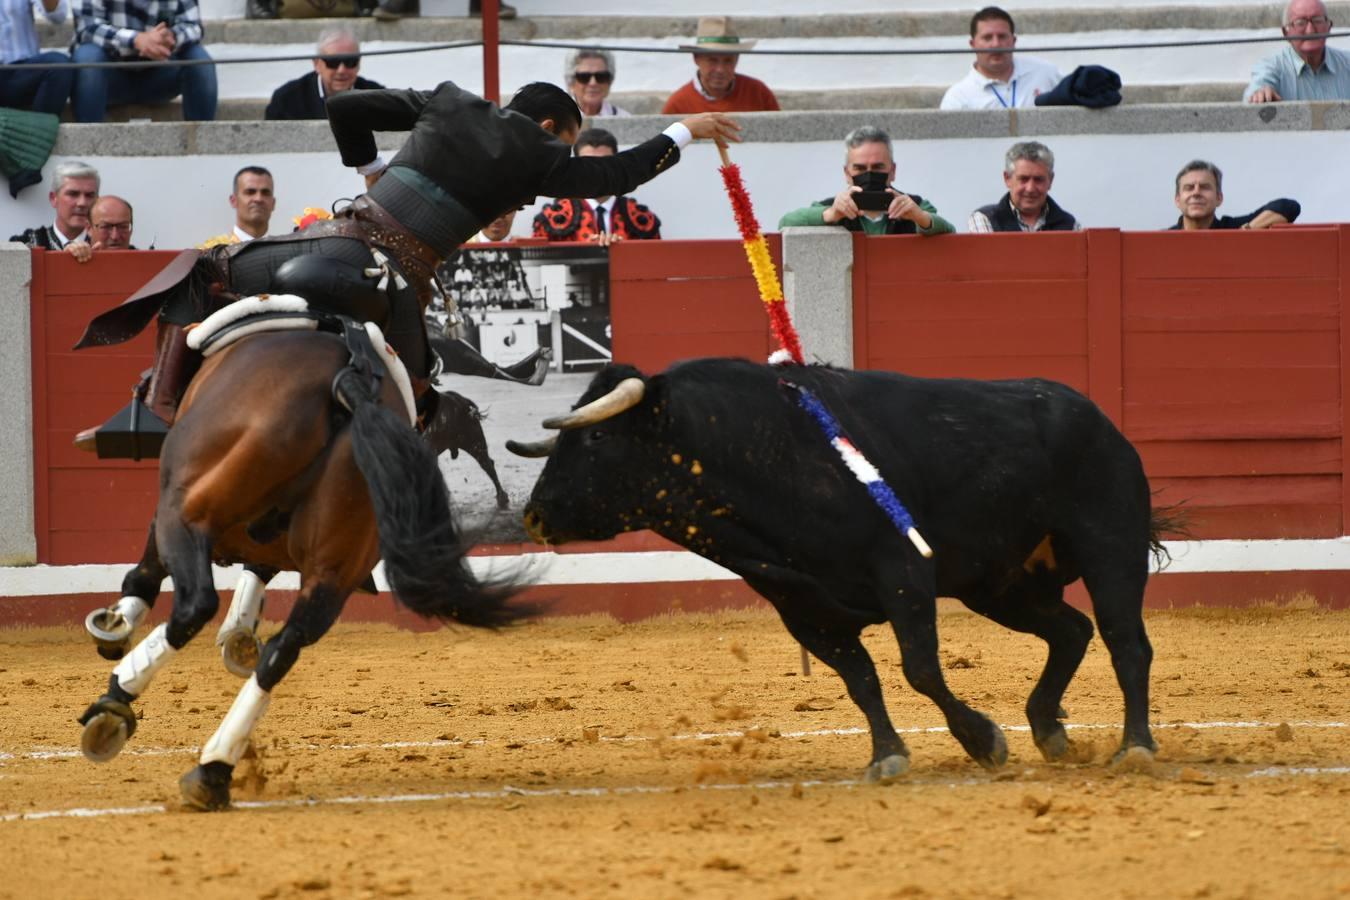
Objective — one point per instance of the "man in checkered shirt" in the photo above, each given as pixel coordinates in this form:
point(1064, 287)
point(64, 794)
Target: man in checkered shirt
point(139, 30)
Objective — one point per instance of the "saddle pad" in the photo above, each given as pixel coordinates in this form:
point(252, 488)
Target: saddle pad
point(251, 315)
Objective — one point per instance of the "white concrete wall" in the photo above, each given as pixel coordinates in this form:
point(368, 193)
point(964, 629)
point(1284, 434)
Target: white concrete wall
point(1122, 180)
point(18, 546)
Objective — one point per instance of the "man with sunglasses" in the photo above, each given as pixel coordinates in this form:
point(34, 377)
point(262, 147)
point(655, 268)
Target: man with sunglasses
point(336, 70)
point(1305, 68)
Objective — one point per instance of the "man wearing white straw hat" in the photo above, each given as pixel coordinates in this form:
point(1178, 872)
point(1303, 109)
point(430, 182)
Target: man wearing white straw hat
point(716, 87)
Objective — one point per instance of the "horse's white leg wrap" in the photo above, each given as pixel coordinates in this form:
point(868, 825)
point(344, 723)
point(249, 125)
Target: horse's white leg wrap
point(132, 609)
point(245, 606)
point(137, 669)
point(231, 738)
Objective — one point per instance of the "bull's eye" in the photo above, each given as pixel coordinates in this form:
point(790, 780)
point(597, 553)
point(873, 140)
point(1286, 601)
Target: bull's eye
point(596, 435)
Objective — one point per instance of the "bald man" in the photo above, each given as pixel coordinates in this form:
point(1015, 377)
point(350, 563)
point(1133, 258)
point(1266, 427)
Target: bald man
point(110, 221)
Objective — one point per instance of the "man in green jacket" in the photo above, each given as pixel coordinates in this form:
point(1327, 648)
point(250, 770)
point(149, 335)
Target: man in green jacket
point(870, 203)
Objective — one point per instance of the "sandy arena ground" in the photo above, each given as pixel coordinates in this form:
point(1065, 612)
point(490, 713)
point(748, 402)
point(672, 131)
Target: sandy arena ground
point(685, 756)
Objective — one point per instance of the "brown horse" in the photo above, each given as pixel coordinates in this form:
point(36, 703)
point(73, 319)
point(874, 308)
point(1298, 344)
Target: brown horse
point(262, 466)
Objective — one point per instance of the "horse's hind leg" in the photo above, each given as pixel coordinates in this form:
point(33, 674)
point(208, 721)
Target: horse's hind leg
point(111, 627)
point(237, 637)
point(207, 787)
point(110, 721)
point(477, 448)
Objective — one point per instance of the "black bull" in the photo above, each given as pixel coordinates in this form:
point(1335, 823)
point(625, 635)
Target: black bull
point(1020, 487)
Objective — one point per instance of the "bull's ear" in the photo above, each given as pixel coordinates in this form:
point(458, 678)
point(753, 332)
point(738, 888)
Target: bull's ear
point(656, 401)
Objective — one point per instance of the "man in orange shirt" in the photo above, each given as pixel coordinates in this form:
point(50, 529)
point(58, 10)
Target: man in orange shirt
point(716, 87)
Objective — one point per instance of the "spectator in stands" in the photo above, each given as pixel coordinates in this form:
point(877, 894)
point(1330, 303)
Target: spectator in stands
point(336, 70)
point(1200, 193)
point(997, 80)
point(602, 220)
point(74, 190)
point(39, 90)
point(1303, 69)
point(496, 231)
point(589, 73)
point(140, 30)
point(253, 200)
point(869, 169)
point(109, 228)
point(716, 87)
point(1028, 172)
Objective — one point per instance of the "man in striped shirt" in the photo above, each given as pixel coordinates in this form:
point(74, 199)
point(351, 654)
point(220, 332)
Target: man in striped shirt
point(139, 31)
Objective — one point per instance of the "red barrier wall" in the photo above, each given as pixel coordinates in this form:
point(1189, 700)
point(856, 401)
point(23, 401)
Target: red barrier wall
point(1218, 354)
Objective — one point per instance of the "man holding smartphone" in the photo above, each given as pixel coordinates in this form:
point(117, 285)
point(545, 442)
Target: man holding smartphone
point(870, 203)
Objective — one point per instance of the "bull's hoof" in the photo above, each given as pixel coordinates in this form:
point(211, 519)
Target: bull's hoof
point(998, 753)
point(886, 770)
point(503, 502)
point(1133, 760)
point(108, 725)
point(1054, 745)
point(207, 787)
point(240, 650)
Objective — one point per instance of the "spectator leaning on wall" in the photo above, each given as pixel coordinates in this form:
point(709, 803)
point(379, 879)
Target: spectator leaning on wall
point(998, 80)
point(1200, 193)
point(110, 223)
point(1303, 69)
point(870, 203)
point(1028, 173)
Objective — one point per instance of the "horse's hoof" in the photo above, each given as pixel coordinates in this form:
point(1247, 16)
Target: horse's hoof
point(998, 754)
point(887, 770)
point(1054, 745)
point(107, 726)
point(113, 652)
point(111, 632)
point(1133, 760)
point(240, 650)
point(207, 787)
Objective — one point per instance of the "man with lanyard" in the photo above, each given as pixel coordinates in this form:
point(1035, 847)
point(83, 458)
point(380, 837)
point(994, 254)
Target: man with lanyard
point(464, 163)
point(997, 80)
point(75, 187)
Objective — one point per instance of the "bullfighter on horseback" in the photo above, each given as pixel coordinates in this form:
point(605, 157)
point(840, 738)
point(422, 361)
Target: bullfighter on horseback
point(464, 163)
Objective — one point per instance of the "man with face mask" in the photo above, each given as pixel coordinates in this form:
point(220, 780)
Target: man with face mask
point(464, 163)
point(869, 203)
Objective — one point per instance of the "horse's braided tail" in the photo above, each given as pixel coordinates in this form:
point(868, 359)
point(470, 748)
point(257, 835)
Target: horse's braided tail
point(424, 558)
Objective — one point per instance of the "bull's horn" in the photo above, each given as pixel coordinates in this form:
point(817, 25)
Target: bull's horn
point(626, 395)
point(533, 449)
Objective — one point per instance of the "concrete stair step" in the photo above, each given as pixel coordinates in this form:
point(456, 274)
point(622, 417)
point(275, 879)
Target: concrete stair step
point(650, 102)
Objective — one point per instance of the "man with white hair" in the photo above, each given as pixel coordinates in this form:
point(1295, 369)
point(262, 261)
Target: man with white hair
point(1305, 68)
point(336, 70)
point(1028, 173)
point(74, 189)
point(589, 74)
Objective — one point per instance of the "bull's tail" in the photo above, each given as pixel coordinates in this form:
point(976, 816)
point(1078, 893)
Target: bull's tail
point(1163, 521)
point(424, 558)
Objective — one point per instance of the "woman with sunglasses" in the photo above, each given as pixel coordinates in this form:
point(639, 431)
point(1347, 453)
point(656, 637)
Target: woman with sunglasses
point(589, 74)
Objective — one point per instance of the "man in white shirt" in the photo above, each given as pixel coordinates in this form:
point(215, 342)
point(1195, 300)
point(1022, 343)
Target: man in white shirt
point(253, 200)
point(997, 80)
point(74, 189)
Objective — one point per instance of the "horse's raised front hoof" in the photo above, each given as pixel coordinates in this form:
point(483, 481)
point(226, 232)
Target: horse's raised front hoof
point(108, 724)
point(240, 651)
point(887, 770)
point(1054, 745)
point(1134, 760)
point(111, 632)
point(207, 787)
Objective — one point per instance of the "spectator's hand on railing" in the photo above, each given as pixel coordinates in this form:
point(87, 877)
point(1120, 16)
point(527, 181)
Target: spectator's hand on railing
point(1265, 95)
point(843, 206)
point(713, 125)
point(81, 251)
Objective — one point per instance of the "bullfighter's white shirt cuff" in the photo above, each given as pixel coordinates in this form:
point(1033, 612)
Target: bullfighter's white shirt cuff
point(680, 134)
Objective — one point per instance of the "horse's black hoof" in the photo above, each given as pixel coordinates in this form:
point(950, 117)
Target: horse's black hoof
point(207, 787)
point(108, 725)
point(998, 753)
point(886, 770)
point(113, 652)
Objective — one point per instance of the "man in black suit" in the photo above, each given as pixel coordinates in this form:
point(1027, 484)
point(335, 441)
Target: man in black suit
point(335, 71)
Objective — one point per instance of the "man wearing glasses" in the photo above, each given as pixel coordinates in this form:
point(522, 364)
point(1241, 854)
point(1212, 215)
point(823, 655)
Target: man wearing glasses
point(109, 228)
point(1306, 68)
point(335, 71)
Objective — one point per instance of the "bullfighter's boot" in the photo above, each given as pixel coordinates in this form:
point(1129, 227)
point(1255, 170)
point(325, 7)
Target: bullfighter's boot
point(138, 430)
